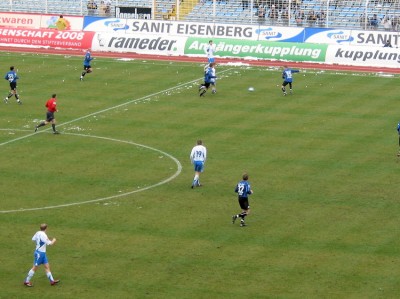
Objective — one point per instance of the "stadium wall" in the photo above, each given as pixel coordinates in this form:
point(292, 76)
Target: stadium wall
point(171, 38)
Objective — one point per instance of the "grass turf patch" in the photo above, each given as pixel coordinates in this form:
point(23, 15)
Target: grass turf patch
point(322, 163)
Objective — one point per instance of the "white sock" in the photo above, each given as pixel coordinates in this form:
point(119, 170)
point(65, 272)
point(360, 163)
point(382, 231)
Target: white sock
point(195, 180)
point(30, 275)
point(49, 276)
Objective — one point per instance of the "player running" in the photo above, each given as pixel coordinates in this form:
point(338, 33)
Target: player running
point(87, 68)
point(12, 78)
point(243, 189)
point(51, 106)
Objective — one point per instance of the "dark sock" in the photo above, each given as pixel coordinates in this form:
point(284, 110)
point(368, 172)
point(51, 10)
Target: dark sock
point(54, 127)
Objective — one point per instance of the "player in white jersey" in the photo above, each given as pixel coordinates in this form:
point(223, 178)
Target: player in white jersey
point(198, 157)
point(39, 256)
point(210, 50)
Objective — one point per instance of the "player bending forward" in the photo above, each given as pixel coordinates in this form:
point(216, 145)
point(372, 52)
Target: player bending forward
point(209, 80)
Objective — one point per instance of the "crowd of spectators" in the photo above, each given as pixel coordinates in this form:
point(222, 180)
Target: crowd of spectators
point(103, 9)
point(374, 22)
point(277, 12)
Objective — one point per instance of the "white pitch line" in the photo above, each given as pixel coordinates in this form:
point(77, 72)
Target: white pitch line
point(111, 108)
point(179, 165)
point(178, 171)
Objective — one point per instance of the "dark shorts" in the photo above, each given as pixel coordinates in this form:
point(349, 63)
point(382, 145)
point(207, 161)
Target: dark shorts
point(49, 116)
point(286, 83)
point(13, 85)
point(244, 203)
point(86, 67)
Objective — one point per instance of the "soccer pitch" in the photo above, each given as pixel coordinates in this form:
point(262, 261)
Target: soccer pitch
point(114, 187)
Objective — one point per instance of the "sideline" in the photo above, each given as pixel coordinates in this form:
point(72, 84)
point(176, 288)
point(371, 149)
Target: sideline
point(221, 60)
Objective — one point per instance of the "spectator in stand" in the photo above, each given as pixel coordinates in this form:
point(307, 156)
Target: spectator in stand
point(172, 13)
point(387, 23)
point(396, 23)
point(299, 18)
point(91, 7)
point(285, 15)
point(102, 9)
point(261, 14)
point(374, 22)
point(108, 9)
point(273, 15)
point(311, 18)
point(61, 23)
point(363, 22)
point(321, 19)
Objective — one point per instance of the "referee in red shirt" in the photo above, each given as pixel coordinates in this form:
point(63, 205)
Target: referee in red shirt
point(51, 105)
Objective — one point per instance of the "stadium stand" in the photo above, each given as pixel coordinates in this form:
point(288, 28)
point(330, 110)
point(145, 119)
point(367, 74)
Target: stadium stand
point(363, 14)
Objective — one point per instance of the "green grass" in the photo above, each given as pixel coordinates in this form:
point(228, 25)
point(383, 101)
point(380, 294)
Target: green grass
point(322, 164)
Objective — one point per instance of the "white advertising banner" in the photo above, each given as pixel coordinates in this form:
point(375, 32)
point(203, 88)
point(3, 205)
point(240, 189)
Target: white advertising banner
point(140, 43)
point(363, 56)
point(36, 21)
point(193, 29)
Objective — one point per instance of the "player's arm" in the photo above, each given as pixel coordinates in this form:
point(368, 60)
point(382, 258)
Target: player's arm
point(191, 156)
point(46, 240)
point(51, 242)
point(249, 191)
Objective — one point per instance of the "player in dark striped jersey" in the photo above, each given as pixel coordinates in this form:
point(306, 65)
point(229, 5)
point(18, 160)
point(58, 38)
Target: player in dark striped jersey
point(87, 68)
point(243, 189)
point(287, 79)
point(209, 80)
point(12, 78)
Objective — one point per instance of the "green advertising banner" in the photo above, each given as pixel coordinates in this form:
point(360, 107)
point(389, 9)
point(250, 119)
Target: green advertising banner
point(259, 49)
